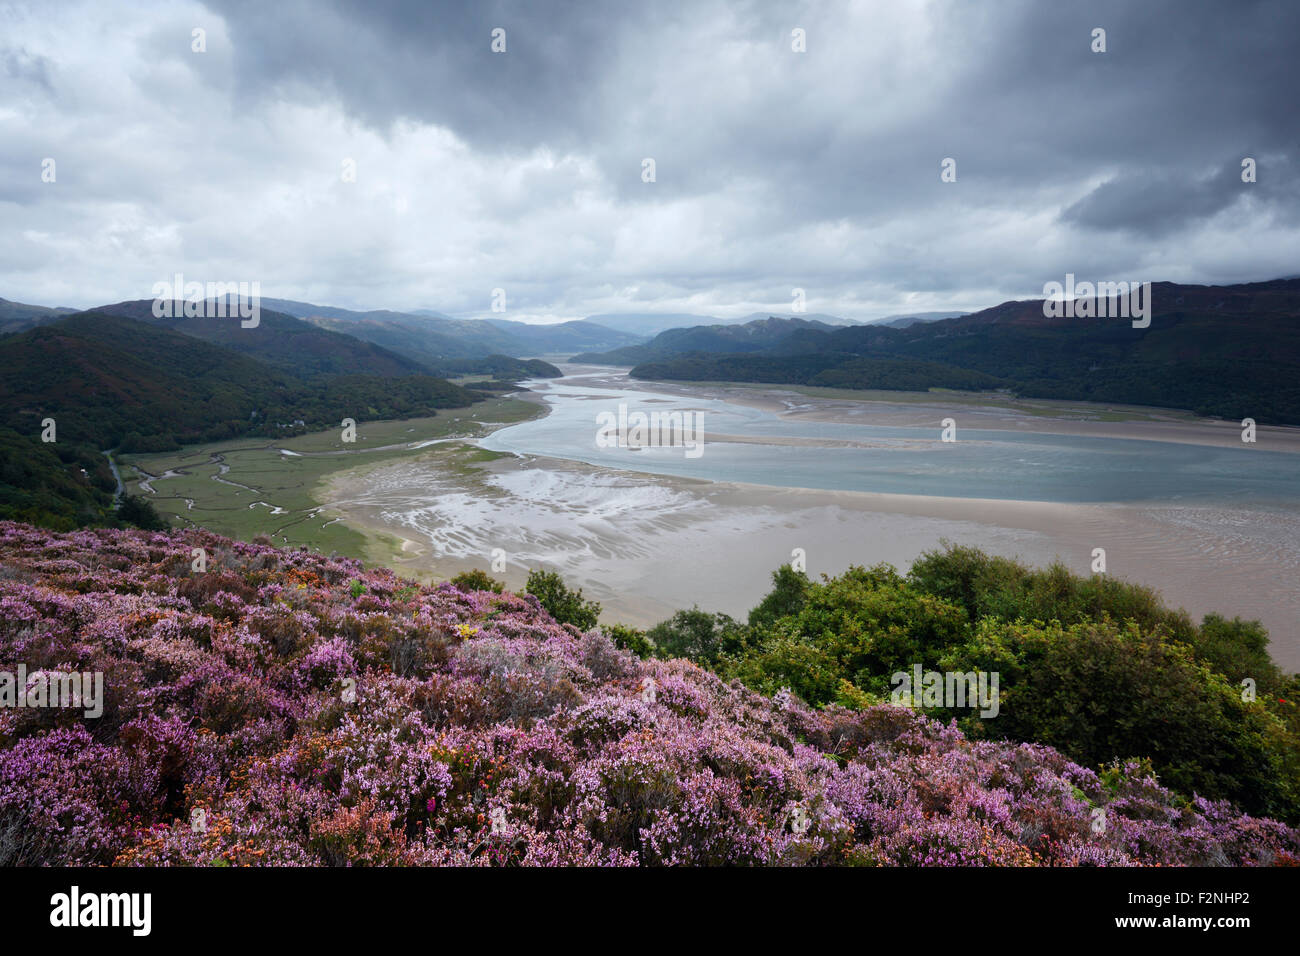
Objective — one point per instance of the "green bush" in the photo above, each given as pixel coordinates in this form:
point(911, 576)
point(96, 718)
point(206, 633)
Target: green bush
point(567, 607)
point(989, 586)
point(698, 636)
point(789, 590)
point(477, 580)
point(1098, 691)
point(870, 623)
point(629, 639)
point(138, 511)
point(1095, 667)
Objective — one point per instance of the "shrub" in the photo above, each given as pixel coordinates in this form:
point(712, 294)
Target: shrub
point(477, 580)
point(629, 639)
point(427, 725)
point(567, 607)
point(698, 636)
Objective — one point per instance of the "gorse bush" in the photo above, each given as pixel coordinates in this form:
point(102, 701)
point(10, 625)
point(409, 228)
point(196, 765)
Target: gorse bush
point(1094, 667)
point(413, 725)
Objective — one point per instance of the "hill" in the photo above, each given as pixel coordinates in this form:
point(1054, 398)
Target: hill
point(18, 316)
point(431, 337)
point(500, 367)
point(114, 382)
point(649, 324)
point(562, 337)
point(279, 340)
point(903, 321)
point(310, 711)
point(1230, 351)
point(755, 335)
point(105, 379)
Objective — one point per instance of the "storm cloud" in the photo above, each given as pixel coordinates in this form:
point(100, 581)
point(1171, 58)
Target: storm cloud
point(522, 170)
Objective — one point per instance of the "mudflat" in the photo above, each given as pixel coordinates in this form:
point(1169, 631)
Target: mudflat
point(646, 545)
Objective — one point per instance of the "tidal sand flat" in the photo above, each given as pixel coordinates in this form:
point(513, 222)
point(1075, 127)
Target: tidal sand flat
point(646, 544)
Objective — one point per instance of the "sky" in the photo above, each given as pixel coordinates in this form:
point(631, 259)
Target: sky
point(775, 168)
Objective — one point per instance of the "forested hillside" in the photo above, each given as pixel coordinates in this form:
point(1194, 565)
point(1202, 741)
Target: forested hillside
point(1229, 351)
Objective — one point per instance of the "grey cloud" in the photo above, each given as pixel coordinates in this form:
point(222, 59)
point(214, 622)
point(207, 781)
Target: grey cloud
point(774, 168)
point(20, 65)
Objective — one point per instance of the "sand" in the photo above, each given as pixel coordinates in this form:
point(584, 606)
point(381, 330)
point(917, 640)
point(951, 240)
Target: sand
point(987, 410)
point(645, 546)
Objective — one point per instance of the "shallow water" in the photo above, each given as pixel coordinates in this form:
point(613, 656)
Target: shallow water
point(981, 463)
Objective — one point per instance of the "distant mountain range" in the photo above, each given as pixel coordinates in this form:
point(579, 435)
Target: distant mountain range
point(903, 321)
point(16, 316)
point(752, 336)
point(431, 337)
point(1231, 351)
point(648, 324)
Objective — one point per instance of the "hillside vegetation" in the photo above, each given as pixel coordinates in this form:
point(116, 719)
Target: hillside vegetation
point(110, 382)
point(1098, 668)
point(1228, 351)
point(283, 708)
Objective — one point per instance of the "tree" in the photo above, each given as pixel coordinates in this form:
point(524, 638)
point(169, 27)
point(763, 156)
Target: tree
point(140, 512)
point(698, 636)
point(567, 607)
point(629, 639)
point(789, 589)
point(477, 580)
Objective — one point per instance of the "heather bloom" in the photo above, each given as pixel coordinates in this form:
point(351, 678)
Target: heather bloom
point(225, 693)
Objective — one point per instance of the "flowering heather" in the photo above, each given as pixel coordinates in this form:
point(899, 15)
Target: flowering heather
point(318, 723)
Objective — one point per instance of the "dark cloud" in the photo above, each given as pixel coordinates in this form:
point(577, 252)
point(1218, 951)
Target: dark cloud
point(775, 169)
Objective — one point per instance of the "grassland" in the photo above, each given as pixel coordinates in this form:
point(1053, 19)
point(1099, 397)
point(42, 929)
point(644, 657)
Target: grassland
point(251, 486)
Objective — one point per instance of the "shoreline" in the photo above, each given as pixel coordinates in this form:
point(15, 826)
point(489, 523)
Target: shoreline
point(989, 411)
point(648, 545)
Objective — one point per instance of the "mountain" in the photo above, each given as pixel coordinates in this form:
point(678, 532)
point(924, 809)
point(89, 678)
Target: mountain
point(104, 377)
point(753, 336)
point(430, 337)
point(1230, 351)
point(109, 381)
point(280, 340)
point(303, 310)
point(563, 337)
point(499, 367)
point(100, 376)
point(427, 340)
point(649, 324)
point(903, 321)
point(17, 316)
point(815, 317)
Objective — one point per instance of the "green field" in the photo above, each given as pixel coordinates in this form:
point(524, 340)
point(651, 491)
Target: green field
point(264, 490)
